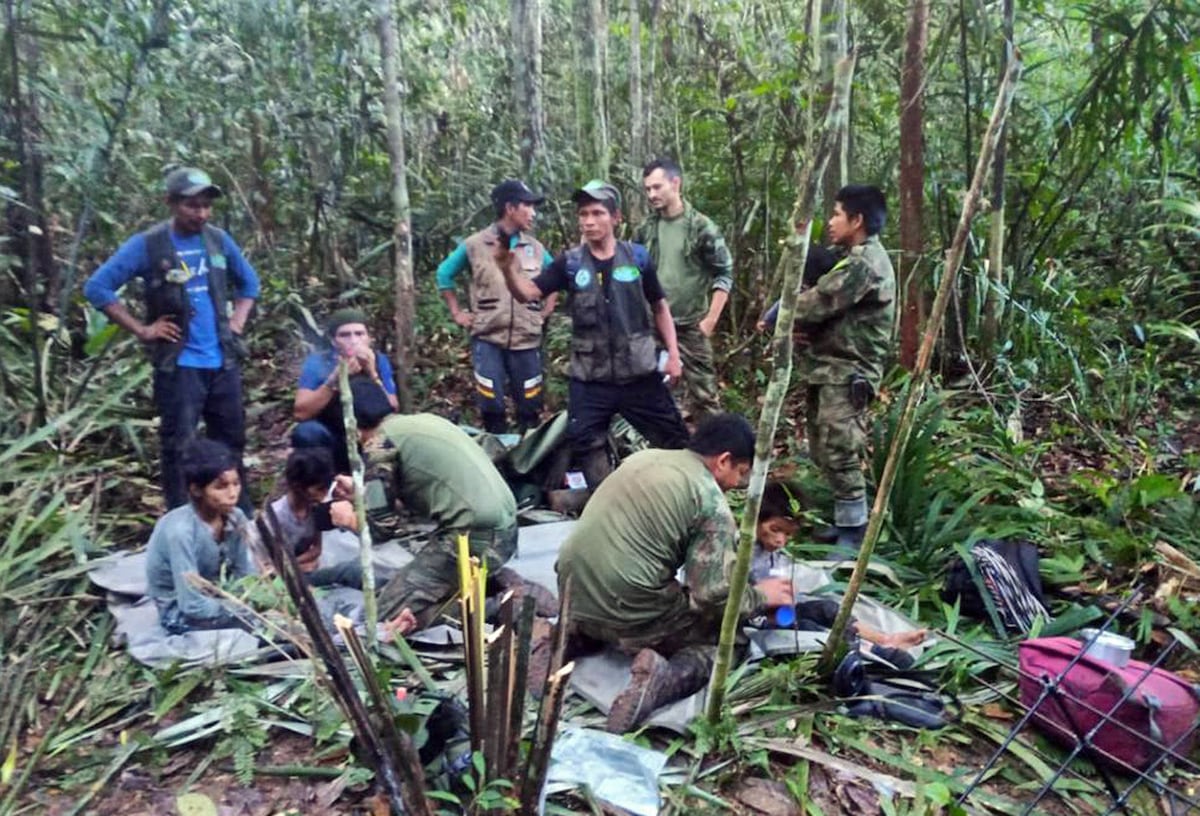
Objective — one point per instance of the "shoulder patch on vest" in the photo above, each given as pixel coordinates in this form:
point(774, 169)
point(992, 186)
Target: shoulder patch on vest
point(626, 274)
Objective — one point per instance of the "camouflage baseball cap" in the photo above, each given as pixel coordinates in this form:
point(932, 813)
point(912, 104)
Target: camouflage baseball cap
point(185, 182)
point(597, 190)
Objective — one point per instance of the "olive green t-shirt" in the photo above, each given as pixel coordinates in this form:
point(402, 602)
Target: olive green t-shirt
point(437, 471)
point(659, 511)
point(687, 288)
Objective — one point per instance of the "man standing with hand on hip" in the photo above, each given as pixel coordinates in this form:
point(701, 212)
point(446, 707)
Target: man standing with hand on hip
point(190, 271)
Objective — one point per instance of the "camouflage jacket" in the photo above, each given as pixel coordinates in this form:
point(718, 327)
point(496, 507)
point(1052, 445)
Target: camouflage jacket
point(855, 305)
point(659, 511)
point(421, 466)
point(707, 264)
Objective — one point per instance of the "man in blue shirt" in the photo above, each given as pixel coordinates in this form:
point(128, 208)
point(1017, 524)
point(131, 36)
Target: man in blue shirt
point(318, 405)
point(189, 271)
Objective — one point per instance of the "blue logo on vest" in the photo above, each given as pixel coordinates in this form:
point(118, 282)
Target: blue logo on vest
point(626, 274)
point(583, 279)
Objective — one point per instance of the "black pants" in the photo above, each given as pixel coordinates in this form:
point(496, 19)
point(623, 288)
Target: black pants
point(646, 403)
point(183, 397)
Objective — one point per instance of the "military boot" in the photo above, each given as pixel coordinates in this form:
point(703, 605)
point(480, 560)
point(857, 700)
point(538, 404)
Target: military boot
point(850, 521)
point(655, 681)
point(825, 535)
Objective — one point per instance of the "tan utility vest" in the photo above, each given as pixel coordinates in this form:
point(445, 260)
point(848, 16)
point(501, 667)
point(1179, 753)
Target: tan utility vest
point(496, 316)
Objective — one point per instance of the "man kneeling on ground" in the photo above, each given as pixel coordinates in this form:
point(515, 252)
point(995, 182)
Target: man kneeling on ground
point(436, 471)
point(659, 511)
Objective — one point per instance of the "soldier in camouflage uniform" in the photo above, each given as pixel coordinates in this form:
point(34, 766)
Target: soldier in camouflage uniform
point(847, 319)
point(659, 511)
point(435, 471)
point(696, 271)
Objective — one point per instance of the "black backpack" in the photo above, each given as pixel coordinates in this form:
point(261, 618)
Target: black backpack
point(998, 578)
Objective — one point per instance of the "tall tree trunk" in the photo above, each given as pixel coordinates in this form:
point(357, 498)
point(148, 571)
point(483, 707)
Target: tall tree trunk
point(992, 307)
point(591, 37)
point(912, 178)
point(791, 265)
point(406, 308)
point(113, 118)
point(649, 141)
point(954, 349)
point(26, 220)
point(831, 44)
point(920, 375)
point(637, 119)
point(525, 23)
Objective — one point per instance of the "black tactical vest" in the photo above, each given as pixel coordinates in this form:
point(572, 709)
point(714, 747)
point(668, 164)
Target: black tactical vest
point(613, 328)
point(165, 297)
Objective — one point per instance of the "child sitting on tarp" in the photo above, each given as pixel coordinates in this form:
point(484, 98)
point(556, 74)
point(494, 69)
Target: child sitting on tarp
point(206, 537)
point(305, 513)
point(778, 521)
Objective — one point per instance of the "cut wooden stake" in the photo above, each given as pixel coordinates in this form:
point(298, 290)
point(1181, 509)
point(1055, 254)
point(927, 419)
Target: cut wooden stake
point(401, 797)
point(520, 676)
point(471, 600)
point(543, 738)
point(920, 374)
point(396, 742)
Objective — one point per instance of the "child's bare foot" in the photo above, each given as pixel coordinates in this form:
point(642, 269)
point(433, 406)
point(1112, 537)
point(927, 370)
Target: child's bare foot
point(402, 624)
point(896, 640)
point(902, 640)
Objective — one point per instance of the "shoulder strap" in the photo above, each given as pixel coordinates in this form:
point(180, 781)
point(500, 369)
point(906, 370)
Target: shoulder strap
point(159, 248)
point(214, 240)
point(574, 260)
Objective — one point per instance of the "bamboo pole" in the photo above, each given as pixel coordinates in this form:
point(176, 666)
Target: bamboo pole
point(791, 264)
point(471, 604)
point(920, 374)
point(365, 545)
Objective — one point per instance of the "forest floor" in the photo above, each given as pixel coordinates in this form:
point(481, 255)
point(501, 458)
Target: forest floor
point(794, 746)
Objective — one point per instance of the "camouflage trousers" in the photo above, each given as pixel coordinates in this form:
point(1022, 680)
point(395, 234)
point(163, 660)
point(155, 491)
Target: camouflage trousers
point(699, 374)
point(424, 584)
point(837, 439)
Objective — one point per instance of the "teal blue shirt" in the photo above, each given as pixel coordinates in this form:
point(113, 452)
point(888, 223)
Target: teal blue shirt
point(456, 262)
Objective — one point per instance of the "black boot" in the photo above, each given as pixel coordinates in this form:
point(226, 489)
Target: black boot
point(850, 521)
point(825, 535)
point(850, 538)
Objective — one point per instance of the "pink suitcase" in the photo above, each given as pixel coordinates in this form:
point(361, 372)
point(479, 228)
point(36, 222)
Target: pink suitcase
point(1163, 707)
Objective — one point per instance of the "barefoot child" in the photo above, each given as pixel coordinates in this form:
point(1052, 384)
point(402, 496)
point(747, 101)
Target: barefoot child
point(206, 536)
point(777, 523)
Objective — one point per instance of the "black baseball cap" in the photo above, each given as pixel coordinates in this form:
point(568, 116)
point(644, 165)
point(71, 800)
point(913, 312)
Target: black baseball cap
point(515, 191)
point(185, 182)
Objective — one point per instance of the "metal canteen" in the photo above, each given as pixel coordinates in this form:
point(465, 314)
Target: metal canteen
point(1107, 646)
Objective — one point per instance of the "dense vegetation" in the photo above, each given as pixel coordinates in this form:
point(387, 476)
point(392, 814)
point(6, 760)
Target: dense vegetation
point(1067, 411)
